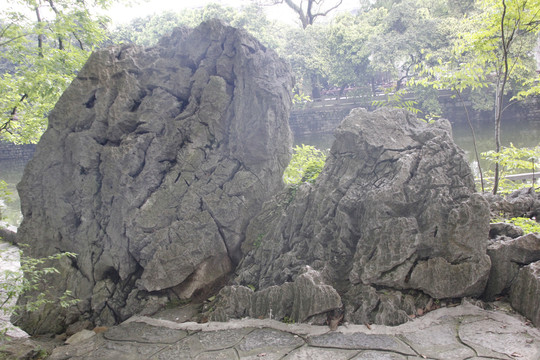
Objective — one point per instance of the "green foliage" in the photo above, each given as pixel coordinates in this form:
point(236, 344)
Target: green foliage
point(148, 30)
point(301, 98)
point(42, 47)
point(528, 225)
point(395, 100)
point(31, 277)
point(306, 164)
point(348, 51)
point(4, 192)
point(306, 51)
point(491, 53)
point(513, 160)
point(287, 320)
point(410, 30)
point(258, 241)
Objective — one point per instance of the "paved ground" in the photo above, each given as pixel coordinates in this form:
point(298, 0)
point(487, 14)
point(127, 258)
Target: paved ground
point(462, 332)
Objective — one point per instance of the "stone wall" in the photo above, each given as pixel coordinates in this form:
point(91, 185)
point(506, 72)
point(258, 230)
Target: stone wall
point(9, 151)
point(325, 116)
point(314, 121)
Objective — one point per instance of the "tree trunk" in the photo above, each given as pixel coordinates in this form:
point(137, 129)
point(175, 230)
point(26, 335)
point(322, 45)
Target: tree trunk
point(473, 139)
point(315, 91)
point(504, 72)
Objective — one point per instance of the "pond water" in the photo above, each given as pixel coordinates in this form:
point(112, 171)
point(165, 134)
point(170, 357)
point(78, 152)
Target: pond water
point(521, 134)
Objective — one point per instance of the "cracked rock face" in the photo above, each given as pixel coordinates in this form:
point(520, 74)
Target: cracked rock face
point(525, 292)
point(392, 220)
point(154, 162)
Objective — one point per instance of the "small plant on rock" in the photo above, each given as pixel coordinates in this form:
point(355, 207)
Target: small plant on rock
point(306, 164)
point(30, 277)
point(287, 320)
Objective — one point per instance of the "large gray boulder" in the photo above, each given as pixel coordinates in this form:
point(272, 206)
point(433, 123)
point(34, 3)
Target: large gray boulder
point(154, 162)
point(392, 220)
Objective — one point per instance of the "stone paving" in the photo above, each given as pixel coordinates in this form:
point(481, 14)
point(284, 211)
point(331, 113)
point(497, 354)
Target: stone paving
point(462, 332)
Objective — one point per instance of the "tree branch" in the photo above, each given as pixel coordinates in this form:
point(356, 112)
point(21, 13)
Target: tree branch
point(12, 39)
point(308, 17)
point(328, 11)
point(12, 116)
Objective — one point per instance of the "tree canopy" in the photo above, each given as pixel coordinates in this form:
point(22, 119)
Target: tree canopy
point(43, 44)
point(491, 52)
point(382, 44)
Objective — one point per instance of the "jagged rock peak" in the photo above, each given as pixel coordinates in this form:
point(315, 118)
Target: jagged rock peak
point(154, 162)
point(392, 220)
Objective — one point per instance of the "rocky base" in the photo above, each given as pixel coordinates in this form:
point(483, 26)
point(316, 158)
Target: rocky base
point(458, 332)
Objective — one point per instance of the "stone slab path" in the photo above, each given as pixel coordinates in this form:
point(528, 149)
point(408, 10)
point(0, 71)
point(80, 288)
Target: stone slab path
point(462, 332)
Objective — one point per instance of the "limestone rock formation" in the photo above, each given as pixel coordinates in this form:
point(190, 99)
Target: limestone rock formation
point(296, 301)
point(392, 220)
point(525, 292)
point(154, 162)
point(524, 202)
point(508, 256)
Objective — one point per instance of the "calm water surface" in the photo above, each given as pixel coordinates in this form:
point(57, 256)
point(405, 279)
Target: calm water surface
point(521, 134)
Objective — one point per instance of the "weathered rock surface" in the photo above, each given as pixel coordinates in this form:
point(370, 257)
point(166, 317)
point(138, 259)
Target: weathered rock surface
point(153, 163)
point(7, 234)
point(498, 230)
point(521, 203)
point(394, 209)
point(508, 256)
point(459, 333)
point(525, 292)
point(296, 301)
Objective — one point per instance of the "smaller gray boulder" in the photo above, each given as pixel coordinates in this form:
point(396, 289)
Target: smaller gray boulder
point(394, 212)
point(497, 230)
point(507, 257)
point(525, 292)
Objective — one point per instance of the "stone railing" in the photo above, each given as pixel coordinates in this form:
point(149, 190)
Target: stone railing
point(9, 151)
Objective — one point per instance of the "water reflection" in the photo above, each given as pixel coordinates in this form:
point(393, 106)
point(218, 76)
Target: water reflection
point(521, 134)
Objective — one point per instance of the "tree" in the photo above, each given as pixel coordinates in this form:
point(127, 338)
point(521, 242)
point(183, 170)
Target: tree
point(309, 10)
point(410, 30)
point(148, 30)
point(493, 52)
point(348, 51)
point(307, 53)
point(43, 43)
